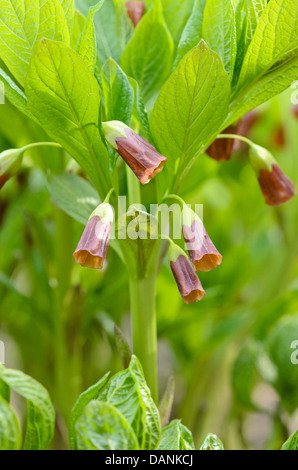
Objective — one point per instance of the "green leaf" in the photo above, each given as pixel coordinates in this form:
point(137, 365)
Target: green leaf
point(291, 443)
point(148, 56)
point(219, 31)
point(69, 13)
point(13, 92)
point(87, 42)
point(176, 436)
point(192, 33)
point(118, 93)
point(211, 442)
point(245, 374)
point(4, 390)
point(22, 25)
point(90, 394)
point(166, 403)
point(102, 427)
point(40, 411)
point(113, 28)
point(251, 364)
point(139, 112)
point(10, 432)
point(64, 96)
point(275, 39)
point(78, 28)
point(73, 194)
point(176, 13)
point(190, 108)
point(248, 13)
point(282, 336)
point(129, 393)
point(269, 84)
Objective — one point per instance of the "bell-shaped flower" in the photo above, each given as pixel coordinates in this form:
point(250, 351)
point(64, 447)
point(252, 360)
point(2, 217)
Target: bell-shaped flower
point(93, 245)
point(188, 283)
point(140, 156)
point(202, 252)
point(276, 187)
point(222, 149)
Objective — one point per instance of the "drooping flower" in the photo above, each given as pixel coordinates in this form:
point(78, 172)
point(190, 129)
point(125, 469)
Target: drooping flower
point(135, 11)
point(202, 252)
point(10, 163)
point(93, 245)
point(276, 187)
point(222, 149)
point(140, 156)
point(188, 283)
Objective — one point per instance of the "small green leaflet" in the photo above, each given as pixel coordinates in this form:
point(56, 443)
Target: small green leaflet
point(291, 443)
point(64, 96)
point(118, 93)
point(176, 13)
point(189, 110)
point(176, 436)
point(192, 33)
point(149, 54)
point(219, 31)
point(275, 39)
point(211, 442)
point(112, 26)
point(263, 88)
point(90, 394)
point(13, 92)
point(10, 431)
point(139, 112)
point(248, 13)
point(69, 13)
point(87, 42)
point(102, 427)
point(40, 411)
point(22, 25)
point(128, 392)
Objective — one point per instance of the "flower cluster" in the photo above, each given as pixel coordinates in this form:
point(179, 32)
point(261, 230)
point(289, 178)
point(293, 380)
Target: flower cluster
point(203, 257)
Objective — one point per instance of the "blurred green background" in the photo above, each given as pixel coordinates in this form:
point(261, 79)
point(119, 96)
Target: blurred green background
point(230, 353)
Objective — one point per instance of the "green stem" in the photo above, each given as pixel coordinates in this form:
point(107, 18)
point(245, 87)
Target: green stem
point(236, 136)
point(41, 144)
point(142, 303)
point(133, 186)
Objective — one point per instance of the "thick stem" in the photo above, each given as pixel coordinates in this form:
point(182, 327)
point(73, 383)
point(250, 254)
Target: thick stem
point(142, 303)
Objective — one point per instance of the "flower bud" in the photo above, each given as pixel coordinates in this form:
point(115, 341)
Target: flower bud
point(10, 163)
point(135, 11)
point(93, 245)
point(222, 149)
point(276, 187)
point(188, 283)
point(203, 254)
point(140, 156)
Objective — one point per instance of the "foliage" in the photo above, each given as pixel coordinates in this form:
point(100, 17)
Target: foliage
point(188, 71)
